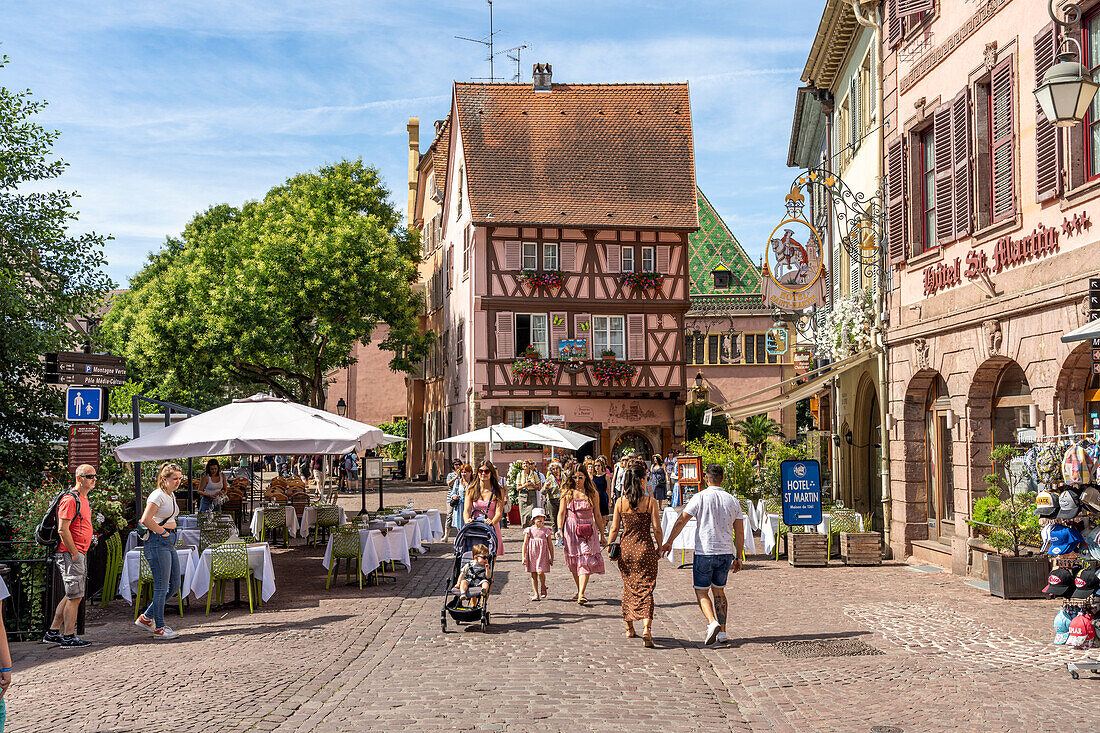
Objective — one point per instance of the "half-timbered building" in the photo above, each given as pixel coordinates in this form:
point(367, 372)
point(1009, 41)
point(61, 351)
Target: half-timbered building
point(566, 214)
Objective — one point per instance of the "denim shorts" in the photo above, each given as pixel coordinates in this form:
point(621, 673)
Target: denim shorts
point(710, 571)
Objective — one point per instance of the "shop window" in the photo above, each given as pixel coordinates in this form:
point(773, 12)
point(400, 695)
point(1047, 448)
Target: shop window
point(649, 259)
point(530, 256)
point(531, 330)
point(628, 259)
point(609, 333)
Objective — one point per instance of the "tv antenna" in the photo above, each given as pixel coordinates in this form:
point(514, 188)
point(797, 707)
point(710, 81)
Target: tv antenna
point(517, 77)
point(487, 41)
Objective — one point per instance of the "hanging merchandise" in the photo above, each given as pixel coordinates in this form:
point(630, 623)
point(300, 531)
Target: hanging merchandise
point(1061, 626)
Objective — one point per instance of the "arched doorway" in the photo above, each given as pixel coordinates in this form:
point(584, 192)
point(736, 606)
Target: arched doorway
point(939, 422)
point(1077, 393)
point(866, 454)
point(636, 443)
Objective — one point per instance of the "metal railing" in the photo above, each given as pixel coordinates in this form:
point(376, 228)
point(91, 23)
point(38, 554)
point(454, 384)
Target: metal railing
point(32, 583)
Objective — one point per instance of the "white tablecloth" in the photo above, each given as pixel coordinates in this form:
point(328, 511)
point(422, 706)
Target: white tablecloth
point(368, 560)
point(686, 539)
point(395, 544)
point(259, 560)
point(4, 592)
point(436, 524)
point(188, 537)
point(291, 521)
point(187, 521)
point(770, 529)
point(131, 572)
point(416, 531)
point(425, 526)
point(309, 520)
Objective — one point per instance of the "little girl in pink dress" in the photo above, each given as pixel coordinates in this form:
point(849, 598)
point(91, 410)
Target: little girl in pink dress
point(538, 552)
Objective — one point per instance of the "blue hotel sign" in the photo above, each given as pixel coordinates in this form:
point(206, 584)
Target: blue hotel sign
point(801, 482)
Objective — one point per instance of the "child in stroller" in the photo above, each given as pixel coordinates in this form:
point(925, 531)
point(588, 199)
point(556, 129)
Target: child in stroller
point(476, 574)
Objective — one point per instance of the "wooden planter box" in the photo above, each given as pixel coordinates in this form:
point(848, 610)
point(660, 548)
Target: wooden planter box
point(861, 548)
point(1017, 577)
point(807, 549)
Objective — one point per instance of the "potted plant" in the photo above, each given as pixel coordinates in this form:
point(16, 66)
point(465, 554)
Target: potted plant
point(607, 355)
point(1010, 527)
point(618, 372)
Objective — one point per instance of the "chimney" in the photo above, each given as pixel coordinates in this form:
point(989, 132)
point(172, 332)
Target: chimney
point(541, 77)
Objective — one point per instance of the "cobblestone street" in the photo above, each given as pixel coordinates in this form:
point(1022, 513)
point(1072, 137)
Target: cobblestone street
point(952, 658)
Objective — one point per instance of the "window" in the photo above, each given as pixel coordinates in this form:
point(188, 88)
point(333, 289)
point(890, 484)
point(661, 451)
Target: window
point(608, 333)
point(550, 256)
point(467, 239)
point(926, 176)
point(530, 256)
point(460, 341)
point(696, 348)
point(755, 351)
point(458, 198)
point(628, 259)
point(520, 418)
point(1091, 129)
point(445, 353)
point(531, 330)
point(867, 91)
point(649, 259)
point(844, 126)
point(713, 348)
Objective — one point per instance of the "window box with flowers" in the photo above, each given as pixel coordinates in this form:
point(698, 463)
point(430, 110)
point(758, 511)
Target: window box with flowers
point(613, 372)
point(642, 280)
point(542, 278)
point(849, 325)
point(531, 365)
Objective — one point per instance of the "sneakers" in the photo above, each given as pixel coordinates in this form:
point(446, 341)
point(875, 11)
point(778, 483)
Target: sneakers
point(145, 622)
point(73, 642)
point(165, 633)
point(712, 634)
point(51, 637)
point(721, 638)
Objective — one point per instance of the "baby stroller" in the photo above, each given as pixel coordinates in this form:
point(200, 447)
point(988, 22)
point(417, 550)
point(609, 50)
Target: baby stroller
point(476, 532)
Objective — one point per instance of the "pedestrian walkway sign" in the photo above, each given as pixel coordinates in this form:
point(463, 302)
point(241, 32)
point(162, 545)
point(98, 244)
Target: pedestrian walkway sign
point(84, 404)
point(801, 481)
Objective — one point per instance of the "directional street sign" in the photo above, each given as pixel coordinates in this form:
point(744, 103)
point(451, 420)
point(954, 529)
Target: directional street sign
point(84, 404)
point(90, 370)
point(87, 380)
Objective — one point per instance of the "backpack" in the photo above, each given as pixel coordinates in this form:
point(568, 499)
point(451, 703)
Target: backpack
point(46, 533)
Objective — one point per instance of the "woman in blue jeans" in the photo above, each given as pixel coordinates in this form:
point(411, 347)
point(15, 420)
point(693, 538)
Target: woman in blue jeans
point(160, 549)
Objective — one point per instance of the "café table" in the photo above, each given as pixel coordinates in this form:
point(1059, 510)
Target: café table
point(414, 533)
point(397, 545)
point(369, 560)
point(769, 529)
point(259, 560)
point(291, 521)
point(185, 537)
point(686, 539)
point(436, 524)
point(131, 571)
point(309, 520)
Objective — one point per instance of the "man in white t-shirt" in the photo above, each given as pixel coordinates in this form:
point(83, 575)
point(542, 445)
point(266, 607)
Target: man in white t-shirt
point(719, 544)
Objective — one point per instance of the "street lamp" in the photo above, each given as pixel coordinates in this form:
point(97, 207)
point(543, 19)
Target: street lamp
point(341, 407)
point(1067, 88)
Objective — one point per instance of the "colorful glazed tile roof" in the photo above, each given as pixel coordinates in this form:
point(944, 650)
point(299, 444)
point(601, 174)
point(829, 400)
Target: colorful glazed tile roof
point(714, 246)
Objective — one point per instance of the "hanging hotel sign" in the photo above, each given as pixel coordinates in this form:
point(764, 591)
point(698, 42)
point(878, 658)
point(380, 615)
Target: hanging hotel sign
point(1007, 253)
point(794, 275)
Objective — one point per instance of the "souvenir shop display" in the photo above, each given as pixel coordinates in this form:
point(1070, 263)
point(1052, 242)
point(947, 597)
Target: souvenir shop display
point(1067, 470)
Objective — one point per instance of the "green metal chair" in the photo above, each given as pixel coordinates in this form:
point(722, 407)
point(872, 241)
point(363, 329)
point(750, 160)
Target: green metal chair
point(145, 579)
point(328, 517)
point(214, 535)
point(115, 558)
point(228, 561)
point(843, 520)
point(275, 520)
point(346, 546)
point(785, 529)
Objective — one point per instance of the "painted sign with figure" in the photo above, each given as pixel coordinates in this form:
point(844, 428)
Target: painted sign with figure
point(572, 349)
point(775, 341)
point(84, 404)
point(801, 482)
point(794, 273)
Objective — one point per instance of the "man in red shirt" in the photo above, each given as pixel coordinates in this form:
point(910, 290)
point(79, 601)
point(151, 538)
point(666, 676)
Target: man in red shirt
point(74, 525)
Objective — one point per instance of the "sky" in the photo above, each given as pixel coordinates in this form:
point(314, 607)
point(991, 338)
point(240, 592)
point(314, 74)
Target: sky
point(166, 109)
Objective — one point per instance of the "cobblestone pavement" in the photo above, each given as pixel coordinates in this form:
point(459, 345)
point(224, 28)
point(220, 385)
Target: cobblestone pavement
point(954, 658)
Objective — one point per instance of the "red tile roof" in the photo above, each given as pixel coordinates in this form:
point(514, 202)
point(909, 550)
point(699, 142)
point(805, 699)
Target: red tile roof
point(608, 155)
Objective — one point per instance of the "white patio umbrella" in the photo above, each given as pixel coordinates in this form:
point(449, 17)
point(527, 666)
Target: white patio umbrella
point(501, 433)
point(567, 438)
point(256, 425)
point(388, 439)
point(1090, 330)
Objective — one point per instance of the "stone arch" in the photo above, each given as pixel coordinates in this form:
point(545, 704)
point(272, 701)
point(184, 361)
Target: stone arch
point(979, 420)
point(1069, 389)
point(866, 450)
point(908, 486)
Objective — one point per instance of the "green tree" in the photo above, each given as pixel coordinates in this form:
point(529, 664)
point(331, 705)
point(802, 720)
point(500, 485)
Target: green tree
point(275, 294)
point(696, 429)
point(756, 431)
point(48, 277)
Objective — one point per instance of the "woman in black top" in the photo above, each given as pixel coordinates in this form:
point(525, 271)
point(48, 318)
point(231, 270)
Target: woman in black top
point(599, 478)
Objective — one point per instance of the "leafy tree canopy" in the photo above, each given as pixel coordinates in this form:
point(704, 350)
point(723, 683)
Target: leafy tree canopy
point(48, 278)
point(274, 294)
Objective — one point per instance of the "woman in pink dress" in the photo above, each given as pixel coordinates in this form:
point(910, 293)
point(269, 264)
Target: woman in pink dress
point(485, 498)
point(582, 529)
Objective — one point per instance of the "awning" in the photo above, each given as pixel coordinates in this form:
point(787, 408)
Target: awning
point(1085, 332)
point(736, 410)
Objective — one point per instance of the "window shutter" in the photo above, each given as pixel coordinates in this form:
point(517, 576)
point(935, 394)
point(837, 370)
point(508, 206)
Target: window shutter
point(1048, 143)
point(854, 269)
point(960, 139)
point(505, 336)
point(837, 274)
point(567, 256)
point(893, 24)
point(855, 119)
point(512, 259)
point(635, 337)
point(945, 185)
point(614, 258)
point(559, 329)
point(895, 201)
point(913, 7)
point(582, 329)
point(1003, 142)
point(663, 257)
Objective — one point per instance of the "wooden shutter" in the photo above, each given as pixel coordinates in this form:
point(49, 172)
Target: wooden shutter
point(945, 185)
point(960, 143)
point(1003, 142)
point(854, 280)
point(512, 259)
point(635, 337)
point(559, 329)
point(893, 24)
point(506, 348)
point(913, 7)
point(1048, 143)
point(895, 201)
point(854, 118)
point(838, 276)
point(614, 258)
point(582, 329)
point(567, 256)
point(663, 258)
